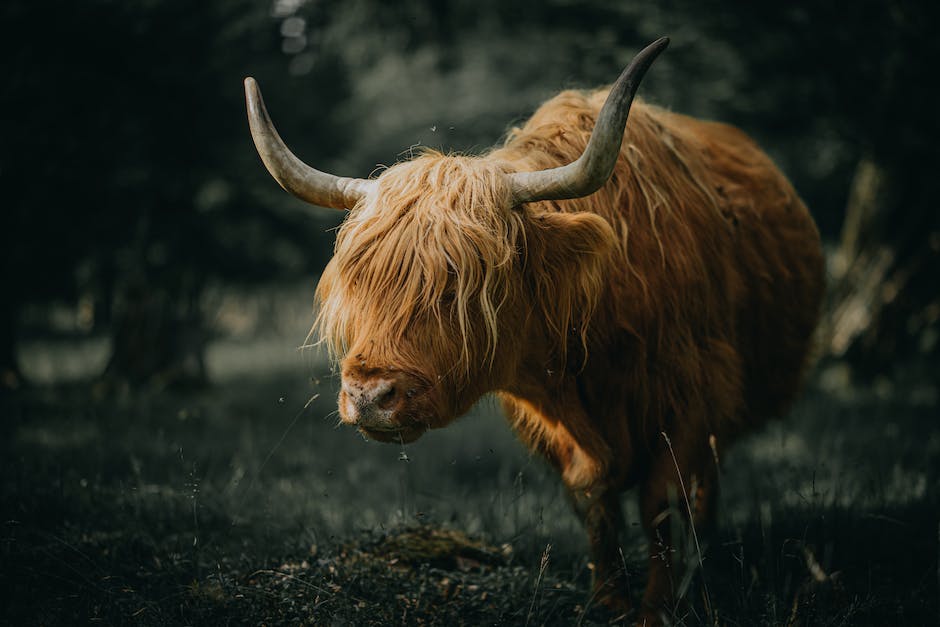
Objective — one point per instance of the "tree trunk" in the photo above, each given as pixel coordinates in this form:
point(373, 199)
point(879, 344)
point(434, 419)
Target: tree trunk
point(158, 339)
point(10, 376)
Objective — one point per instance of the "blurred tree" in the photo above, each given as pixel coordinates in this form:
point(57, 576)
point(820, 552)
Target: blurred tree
point(130, 173)
point(864, 74)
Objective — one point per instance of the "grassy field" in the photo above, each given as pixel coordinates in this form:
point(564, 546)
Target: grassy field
point(246, 504)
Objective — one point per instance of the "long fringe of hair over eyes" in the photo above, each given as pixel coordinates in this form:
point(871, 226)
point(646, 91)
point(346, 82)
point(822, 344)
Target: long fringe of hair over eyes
point(404, 252)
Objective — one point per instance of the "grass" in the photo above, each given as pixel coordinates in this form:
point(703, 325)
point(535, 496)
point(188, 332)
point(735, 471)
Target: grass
point(245, 504)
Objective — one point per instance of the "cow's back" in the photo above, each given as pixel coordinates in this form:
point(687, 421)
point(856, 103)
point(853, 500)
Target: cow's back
point(750, 269)
point(715, 290)
point(779, 258)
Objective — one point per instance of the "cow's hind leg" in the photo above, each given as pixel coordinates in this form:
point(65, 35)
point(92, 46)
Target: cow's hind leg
point(600, 511)
point(680, 489)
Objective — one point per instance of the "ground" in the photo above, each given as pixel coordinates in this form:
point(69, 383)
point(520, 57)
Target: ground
point(245, 503)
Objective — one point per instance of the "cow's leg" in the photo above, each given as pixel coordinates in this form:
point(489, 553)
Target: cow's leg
point(682, 480)
point(584, 459)
point(599, 509)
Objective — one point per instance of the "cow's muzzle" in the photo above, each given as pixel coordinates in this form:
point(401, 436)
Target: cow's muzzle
point(385, 405)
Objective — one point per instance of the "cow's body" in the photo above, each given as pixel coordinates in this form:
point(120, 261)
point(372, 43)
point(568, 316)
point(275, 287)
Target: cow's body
point(631, 333)
point(711, 296)
point(702, 331)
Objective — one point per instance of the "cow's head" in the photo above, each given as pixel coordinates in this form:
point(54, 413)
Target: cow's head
point(441, 266)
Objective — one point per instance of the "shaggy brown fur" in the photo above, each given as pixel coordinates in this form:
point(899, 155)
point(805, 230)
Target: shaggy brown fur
point(677, 302)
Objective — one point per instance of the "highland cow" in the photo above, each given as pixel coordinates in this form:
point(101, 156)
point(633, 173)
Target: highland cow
point(637, 296)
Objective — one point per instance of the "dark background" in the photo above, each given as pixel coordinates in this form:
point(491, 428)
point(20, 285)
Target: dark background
point(157, 285)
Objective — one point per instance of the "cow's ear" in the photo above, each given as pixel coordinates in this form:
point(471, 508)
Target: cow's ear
point(567, 239)
point(566, 267)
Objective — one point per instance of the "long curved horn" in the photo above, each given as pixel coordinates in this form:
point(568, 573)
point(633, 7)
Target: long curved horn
point(301, 180)
point(592, 169)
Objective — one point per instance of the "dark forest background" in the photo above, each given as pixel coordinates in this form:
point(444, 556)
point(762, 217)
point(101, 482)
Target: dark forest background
point(144, 249)
point(131, 185)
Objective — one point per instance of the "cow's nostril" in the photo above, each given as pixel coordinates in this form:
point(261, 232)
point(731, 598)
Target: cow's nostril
point(386, 397)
